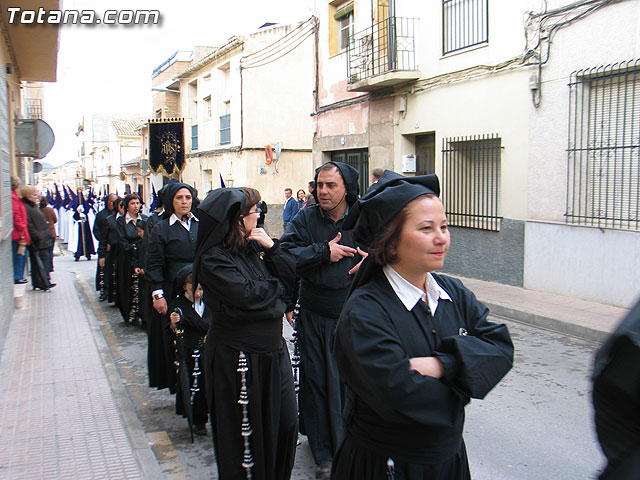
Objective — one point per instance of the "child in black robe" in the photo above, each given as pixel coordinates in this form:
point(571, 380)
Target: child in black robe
point(190, 320)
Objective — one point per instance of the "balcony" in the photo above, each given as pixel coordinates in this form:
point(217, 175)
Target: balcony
point(383, 55)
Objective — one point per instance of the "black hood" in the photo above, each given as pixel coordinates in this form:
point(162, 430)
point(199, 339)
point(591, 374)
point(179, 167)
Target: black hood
point(384, 200)
point(180, 278)
point(216, 214)
point(169, 191)
point(350, 177)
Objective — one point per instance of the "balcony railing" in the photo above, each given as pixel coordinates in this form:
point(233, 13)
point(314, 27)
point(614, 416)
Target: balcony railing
point(386, 47)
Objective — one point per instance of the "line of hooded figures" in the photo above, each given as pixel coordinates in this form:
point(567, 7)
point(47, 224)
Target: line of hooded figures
point(387, 351)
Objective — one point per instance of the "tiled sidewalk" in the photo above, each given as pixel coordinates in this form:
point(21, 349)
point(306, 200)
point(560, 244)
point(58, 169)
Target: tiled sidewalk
point(58, 415)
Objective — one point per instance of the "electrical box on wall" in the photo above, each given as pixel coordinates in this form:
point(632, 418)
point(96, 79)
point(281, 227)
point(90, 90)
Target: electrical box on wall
point(409, 163)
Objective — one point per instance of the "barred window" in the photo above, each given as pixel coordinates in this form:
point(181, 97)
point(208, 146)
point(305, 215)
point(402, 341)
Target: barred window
point(358, 159)
point(471, 181)
point(464, 23)
point(603, 182)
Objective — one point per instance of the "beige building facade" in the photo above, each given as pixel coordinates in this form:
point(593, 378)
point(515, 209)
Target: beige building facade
point(244, 99)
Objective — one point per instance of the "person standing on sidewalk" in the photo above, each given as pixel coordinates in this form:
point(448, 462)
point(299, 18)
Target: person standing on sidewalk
point(326, 254)
point(51, 217)
point(20, 234)
point(248, 283)
point(290, 208)
point(40, 240)
point(412, 346)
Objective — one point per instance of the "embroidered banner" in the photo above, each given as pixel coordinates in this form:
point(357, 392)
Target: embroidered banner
point(166, 146)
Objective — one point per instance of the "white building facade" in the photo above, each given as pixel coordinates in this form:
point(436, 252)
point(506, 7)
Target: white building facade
point(528, 113)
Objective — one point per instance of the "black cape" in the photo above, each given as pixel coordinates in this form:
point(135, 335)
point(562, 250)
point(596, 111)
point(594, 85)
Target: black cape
point(100, 232)
point(194, 329)
point(127, 260)
point(248, 294)
point(170, 248)
point(394, 412)
point(616, 398)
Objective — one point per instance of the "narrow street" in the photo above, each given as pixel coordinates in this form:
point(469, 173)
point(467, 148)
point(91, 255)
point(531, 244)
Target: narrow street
point(538, 423)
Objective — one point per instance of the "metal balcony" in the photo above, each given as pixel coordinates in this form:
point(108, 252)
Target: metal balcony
point(382, 56)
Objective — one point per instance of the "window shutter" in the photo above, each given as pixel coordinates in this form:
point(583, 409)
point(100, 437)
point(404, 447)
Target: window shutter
point(614, 153)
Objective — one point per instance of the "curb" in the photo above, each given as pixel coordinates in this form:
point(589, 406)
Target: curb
point(548, 323)
point(140, 444)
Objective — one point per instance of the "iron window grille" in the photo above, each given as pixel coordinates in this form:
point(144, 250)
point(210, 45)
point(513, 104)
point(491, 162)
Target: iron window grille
point(194, 137)
point(384, 47)
point(465, 23)
point(603, 175)
point(471, 181)
point(358, 159)
point(225, 129)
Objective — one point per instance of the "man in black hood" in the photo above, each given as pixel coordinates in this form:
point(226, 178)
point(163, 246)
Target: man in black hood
point(100, 231)
point(325, 260)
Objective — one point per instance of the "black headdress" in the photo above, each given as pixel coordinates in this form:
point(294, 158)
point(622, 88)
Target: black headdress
point(217, 213)
point(180, 280)
point(169, 191)
point(350, 176)
point(386, 198)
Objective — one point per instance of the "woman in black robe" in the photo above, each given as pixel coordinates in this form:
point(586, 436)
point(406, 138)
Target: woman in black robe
point(412, 346)
point(127, 258)
point(248, 283)
point(190, 318)
point(172, 246)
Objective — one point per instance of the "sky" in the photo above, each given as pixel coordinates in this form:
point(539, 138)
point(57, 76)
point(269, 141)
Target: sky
point(107, 68)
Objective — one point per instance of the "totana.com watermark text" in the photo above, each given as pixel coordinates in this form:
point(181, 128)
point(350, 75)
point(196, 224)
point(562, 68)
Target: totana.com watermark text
point(83, 17)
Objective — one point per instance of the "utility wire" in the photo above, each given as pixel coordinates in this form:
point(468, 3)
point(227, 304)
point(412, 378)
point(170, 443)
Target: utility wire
point(279, 44)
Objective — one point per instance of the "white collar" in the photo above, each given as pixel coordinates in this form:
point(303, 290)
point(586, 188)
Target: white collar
point(174, 218)
point(128, 218)
point(410, 295)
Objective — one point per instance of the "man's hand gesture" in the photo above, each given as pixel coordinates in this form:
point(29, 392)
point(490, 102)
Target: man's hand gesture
point(338, 252)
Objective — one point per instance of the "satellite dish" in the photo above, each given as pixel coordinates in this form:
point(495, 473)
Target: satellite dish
point(37, 167)
point(33, 137)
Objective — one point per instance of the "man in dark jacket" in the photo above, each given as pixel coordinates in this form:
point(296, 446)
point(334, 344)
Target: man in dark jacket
point(326, 257)
point(40, 239)
point(100, 231)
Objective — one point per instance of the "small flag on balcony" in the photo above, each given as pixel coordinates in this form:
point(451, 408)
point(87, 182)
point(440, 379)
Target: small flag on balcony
point(166, 146)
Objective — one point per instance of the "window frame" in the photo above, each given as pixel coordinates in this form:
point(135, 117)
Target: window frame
point(457, 30)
